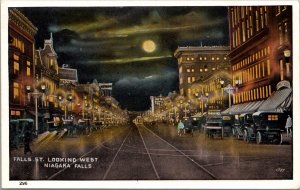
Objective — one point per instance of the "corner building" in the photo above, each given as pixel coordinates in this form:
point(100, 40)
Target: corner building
point(21, 34)
point(260, 53)
point(196, 64)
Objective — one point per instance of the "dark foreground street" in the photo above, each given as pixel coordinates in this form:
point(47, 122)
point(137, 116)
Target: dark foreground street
point(149, 153)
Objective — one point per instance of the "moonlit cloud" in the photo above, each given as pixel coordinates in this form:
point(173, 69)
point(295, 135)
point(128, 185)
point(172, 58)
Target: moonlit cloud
point(128, 60)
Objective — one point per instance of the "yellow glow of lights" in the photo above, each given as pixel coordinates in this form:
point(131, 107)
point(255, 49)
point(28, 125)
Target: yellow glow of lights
point(149, 46)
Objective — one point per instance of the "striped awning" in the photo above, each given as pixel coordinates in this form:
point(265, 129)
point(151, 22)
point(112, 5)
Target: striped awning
point(249, 107)
point(280, 100)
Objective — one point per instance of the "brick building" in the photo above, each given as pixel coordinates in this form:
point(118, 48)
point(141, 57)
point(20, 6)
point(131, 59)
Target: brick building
point(21, 56)
point(260, 54)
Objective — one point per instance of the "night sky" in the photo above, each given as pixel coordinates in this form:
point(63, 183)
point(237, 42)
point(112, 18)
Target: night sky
point(132, 47)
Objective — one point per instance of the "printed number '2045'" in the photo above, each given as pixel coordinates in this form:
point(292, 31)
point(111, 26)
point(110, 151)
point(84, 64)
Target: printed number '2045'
point(22, 183)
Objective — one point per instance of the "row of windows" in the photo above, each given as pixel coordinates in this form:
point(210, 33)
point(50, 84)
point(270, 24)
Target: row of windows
point(17, 43)
point(244, 28)
point(252, 95)
point(15, 113)
point(254, 72)
point(283, 32)
point(252, 58)
point(16, 68)
point(213, 58)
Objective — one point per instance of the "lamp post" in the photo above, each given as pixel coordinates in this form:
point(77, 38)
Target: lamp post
point(287, 55)
point(229, 89)
point(36, 94)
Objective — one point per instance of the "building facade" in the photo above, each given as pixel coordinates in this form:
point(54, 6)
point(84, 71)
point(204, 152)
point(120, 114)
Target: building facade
point(46, 72)
point(21, 57)
point(260, 50)
point(200, 63)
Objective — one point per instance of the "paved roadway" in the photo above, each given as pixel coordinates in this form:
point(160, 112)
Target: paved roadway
point(144, 153)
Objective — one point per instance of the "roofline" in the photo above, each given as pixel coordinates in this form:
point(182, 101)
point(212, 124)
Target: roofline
point(180, 50)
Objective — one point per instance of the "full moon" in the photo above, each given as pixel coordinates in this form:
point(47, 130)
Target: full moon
point(149, 46)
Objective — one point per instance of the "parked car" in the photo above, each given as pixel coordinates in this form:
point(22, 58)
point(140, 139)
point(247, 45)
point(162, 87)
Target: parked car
point(17, 128)
point(246, 122)
point(267, 127)
point(213, 126)
point(228, 124)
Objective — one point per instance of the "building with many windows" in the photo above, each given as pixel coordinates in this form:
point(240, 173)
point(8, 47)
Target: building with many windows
point(260, 53)
point(46, 72)
point(21, 56)
point(197, 64)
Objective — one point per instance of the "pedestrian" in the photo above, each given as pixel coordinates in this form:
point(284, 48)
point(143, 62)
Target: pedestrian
point(288, 126)
point(180, 127)
point(27, 138)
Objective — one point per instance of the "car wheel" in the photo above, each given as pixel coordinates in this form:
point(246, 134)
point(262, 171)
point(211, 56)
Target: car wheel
point(258, 137)
point(245, 135)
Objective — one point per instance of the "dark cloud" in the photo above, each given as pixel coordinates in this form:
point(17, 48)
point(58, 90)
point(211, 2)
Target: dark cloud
point(105, 43)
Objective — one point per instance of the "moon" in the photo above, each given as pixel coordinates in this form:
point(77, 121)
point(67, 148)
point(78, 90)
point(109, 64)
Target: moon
point(149, 46)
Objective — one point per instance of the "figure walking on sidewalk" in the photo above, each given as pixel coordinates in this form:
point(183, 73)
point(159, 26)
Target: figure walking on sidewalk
point(288, 126)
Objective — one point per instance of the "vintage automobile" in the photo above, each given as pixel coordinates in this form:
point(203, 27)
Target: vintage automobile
point(246, 122)
point(228, 124)
point(213, 126)
point(17, 128)
point(267, 127)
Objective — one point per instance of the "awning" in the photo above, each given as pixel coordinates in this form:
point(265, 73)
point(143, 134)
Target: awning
point(249, 107)
point(280, 100)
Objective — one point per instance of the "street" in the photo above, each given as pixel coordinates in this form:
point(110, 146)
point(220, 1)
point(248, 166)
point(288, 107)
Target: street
point(149, 153)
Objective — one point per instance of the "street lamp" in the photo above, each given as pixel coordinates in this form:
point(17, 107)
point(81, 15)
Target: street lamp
point(287, 55)
point(228, 89)
point(36, 94)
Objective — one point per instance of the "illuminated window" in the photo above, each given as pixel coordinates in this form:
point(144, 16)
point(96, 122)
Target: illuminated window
point(218, 58)
point(256, 21)
point(188, 70)
point(267, 92)
point(251, 26)
point(213, 68)
point(200, 58)
point(243, 31)
point(193, 70)
point(268, 67)
point(266, 17)
point(28, 71)
point(248, 28)
point(192, 59)
point(180, 70)
point(193, 79)
point(259, 71)
point(16, 57)
point(263, 92)
point(272, 117)
point(285, 32)
point(16, 67)
point(201, 70)
point(261, 17)
point(16, 93)
point(18, 113)
point(213, 58)
point(280, 34)
point(205, 58)
point(281, 69)
point(181, 80)
point(189, 79)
